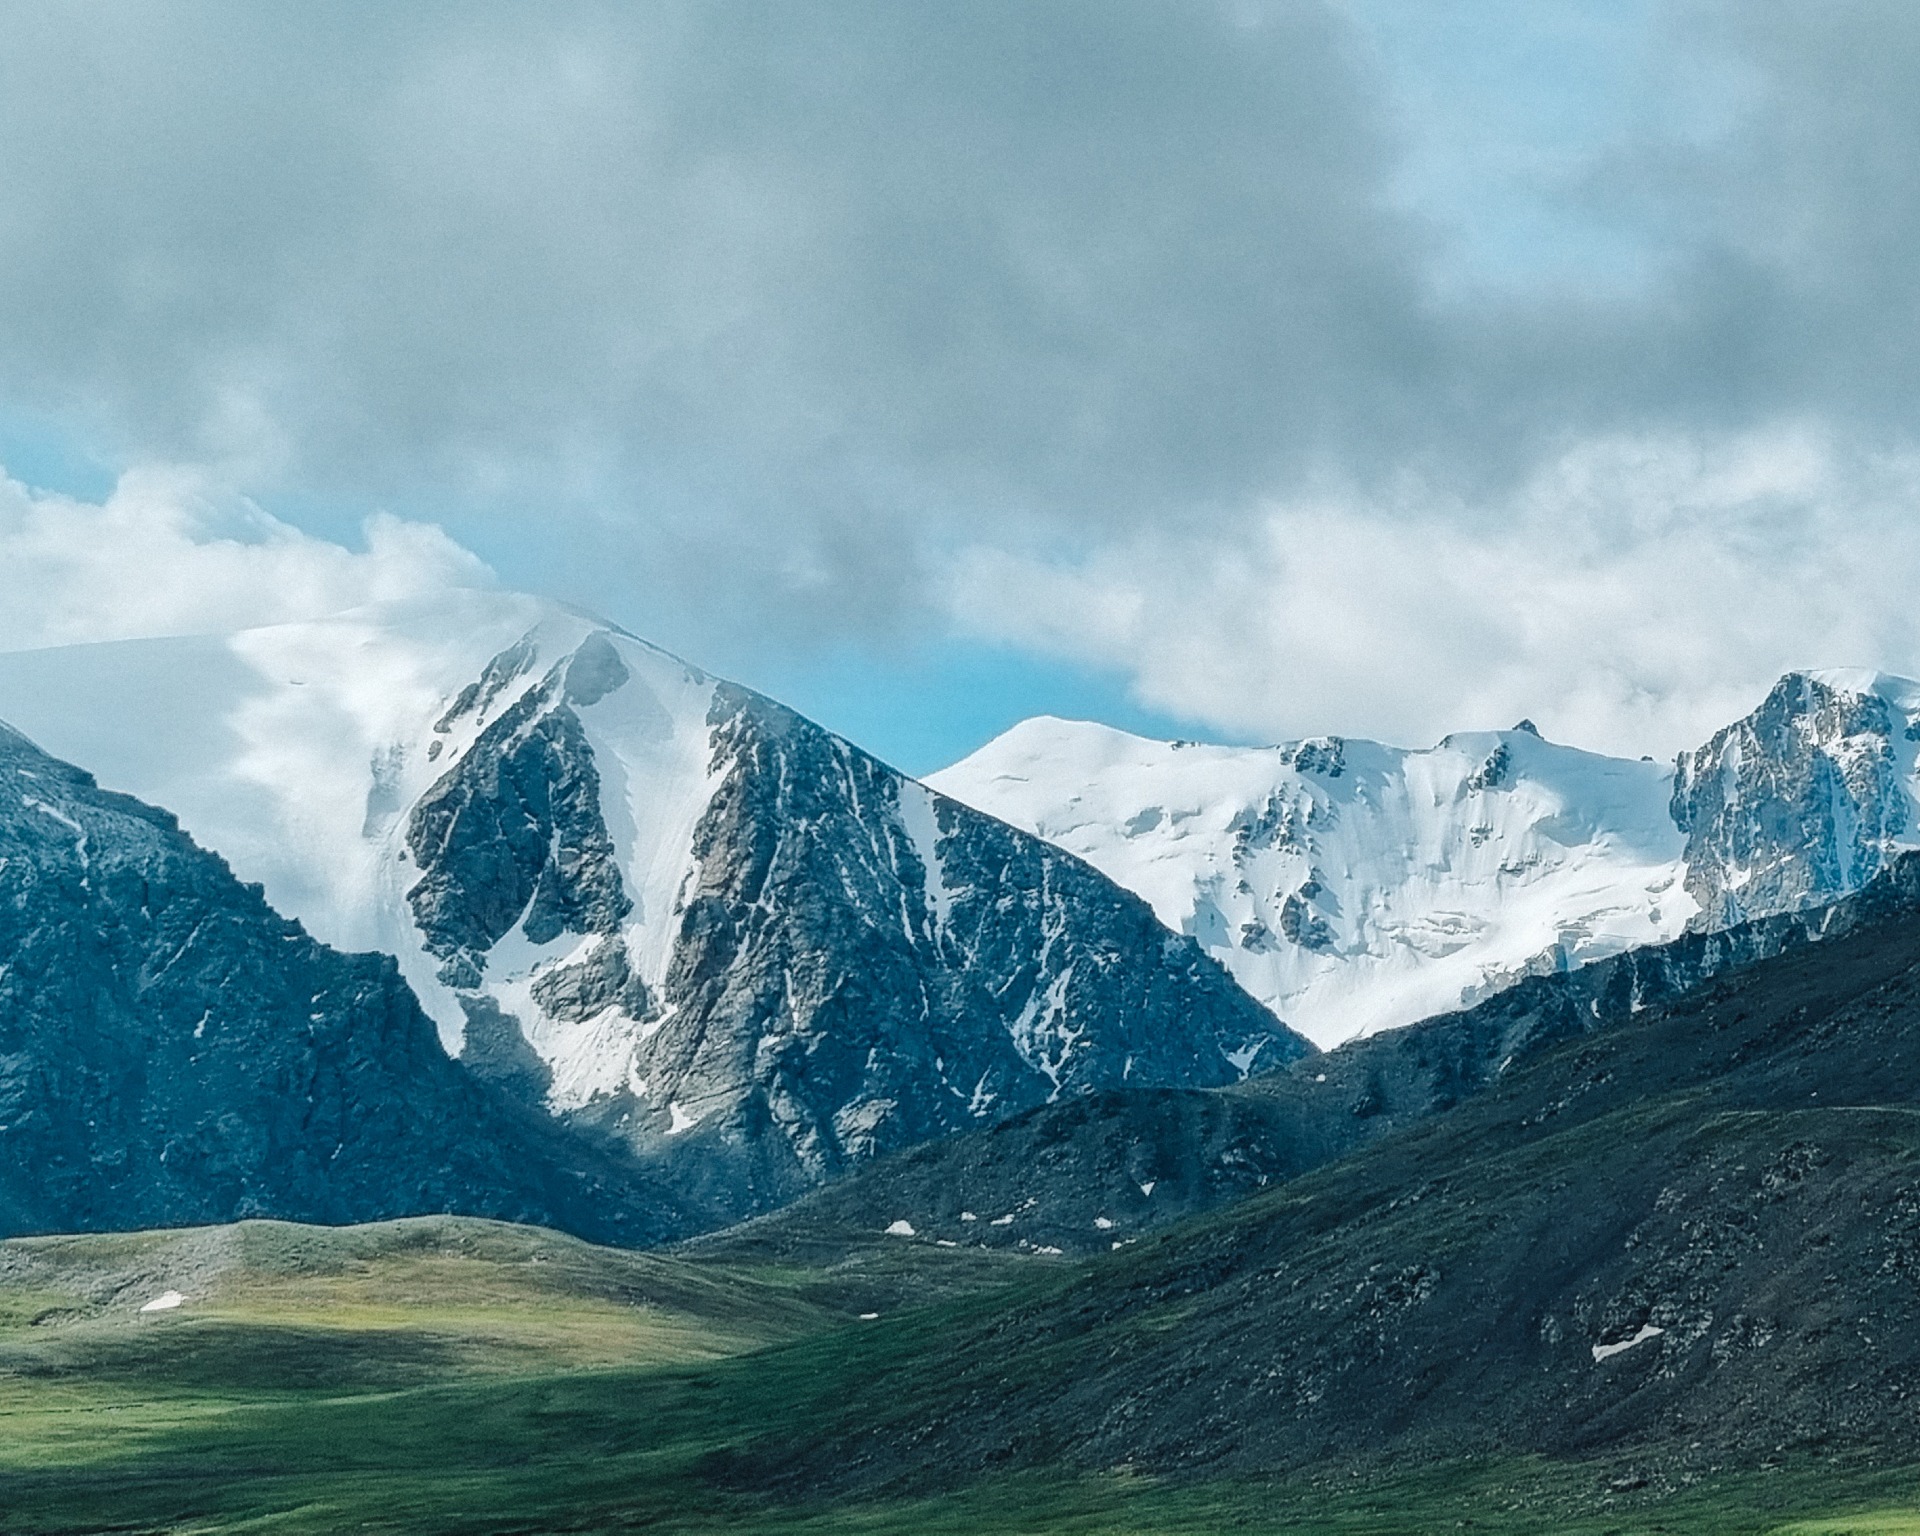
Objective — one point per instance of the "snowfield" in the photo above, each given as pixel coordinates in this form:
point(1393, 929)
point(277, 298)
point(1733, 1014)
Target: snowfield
point(1353, 887)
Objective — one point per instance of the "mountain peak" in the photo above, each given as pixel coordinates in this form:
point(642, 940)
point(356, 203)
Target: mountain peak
point(1802, 801)
point(651, 902)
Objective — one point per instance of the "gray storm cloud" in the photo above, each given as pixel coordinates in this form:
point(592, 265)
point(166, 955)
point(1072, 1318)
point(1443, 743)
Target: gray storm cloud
point(1113, 254)
point(769, 309)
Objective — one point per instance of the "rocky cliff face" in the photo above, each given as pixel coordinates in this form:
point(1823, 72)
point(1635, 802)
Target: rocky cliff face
point(852, 964)
point(1802, 801)
point(513, 833)
point(173, 1051)
point(863, 965)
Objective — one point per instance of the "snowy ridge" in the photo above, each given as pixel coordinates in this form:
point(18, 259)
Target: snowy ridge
point(633, 892)
point(1353, 887)
point(1349, 886)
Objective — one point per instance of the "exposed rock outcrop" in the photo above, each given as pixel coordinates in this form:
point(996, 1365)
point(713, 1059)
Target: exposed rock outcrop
point(1800, 802)
point(173, 1051)
point(853, 964)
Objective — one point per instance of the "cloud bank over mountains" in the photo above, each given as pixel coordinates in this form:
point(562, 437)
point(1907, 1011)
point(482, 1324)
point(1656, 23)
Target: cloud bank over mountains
point(1160, 336)
point(1631, 596)
point(166, 555)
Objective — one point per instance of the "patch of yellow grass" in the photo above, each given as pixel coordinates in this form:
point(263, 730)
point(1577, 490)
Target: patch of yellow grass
point(1878, 1522)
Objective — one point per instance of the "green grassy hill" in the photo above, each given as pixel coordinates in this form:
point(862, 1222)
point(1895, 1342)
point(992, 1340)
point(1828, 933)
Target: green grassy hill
point(391, 1304)
point(431, 1374)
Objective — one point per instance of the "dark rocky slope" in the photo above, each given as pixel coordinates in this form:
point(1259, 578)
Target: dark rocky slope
point(1087, 1175)
point(1691, 1240)
point(173, 1051)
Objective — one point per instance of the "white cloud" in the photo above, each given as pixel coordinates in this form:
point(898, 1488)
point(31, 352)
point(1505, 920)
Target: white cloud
point(1631, 596)
point(168, 554)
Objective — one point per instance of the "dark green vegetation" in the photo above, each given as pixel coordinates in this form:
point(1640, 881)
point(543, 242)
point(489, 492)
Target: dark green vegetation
point(1740, 1172)
point(1403, 1339)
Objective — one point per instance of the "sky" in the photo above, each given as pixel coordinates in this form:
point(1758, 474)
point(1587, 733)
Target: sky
point(1242, 369)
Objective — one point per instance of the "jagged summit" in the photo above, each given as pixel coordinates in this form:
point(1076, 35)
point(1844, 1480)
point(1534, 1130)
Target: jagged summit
point(1802, 800)
point(1353, 886)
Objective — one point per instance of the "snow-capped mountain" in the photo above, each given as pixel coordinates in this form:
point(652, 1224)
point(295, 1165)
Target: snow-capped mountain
point(1354, 887)
point(1804, 799)
point(641, 896)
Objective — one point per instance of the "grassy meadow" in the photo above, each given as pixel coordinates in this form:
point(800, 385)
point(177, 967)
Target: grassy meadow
point(461, 1376)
